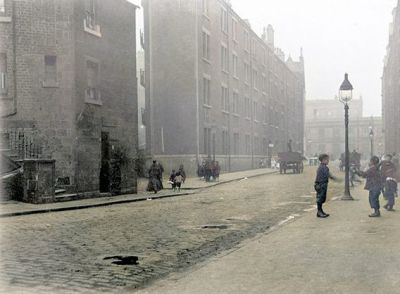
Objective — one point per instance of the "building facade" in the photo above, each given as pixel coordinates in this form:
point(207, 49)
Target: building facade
point(391, 87)
point(214, 88)
point(325, 132)
point(68, 91)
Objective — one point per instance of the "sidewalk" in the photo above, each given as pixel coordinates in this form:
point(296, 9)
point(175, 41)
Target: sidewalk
point(345, 253)
point(191, 186)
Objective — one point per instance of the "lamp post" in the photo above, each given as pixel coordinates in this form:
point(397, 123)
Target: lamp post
point(345, 95)
point(371, 138)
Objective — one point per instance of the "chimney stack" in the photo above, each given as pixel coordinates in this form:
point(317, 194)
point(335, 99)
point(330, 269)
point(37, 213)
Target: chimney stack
point(270, 36)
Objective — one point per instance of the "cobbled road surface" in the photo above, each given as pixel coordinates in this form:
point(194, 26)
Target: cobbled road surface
point(63, 252)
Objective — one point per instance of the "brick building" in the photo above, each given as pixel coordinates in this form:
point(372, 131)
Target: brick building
point(68, 90)
point(391, 86)
point(215, 88)
point(324, 129)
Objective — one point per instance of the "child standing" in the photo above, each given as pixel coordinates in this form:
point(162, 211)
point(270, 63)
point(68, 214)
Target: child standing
point(172, 180)
point(373, 184)
point(321, 183)
point(178, 180)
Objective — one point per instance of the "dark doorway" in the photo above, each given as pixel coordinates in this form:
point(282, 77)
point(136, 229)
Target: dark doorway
point(105, 163)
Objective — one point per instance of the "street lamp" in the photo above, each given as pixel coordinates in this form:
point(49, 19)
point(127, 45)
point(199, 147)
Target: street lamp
point(371, 137)
point(345, 95)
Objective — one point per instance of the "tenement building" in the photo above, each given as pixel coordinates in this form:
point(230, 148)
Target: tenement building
point(68, 89)
point(214, 88)
point(391, 87)
point(324, 129)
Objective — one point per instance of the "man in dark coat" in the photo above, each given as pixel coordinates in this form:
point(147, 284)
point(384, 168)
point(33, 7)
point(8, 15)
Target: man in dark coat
point(155, 173)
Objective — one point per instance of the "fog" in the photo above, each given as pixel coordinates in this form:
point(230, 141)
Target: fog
point(337, 36)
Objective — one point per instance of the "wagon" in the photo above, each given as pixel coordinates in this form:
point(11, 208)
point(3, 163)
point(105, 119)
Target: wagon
point(290, 160)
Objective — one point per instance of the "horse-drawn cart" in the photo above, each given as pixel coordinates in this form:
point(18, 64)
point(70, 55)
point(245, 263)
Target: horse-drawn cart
point(291, 160)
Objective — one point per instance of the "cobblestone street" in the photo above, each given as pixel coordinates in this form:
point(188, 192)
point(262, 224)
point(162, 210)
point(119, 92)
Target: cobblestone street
point(65, 251)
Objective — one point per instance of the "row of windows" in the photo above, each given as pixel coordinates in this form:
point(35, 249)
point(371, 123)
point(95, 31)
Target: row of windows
point(250, 110)
point(260, 147)
point(50, 78)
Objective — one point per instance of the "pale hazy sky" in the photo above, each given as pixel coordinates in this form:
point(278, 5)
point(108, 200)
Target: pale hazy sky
point(337, 36)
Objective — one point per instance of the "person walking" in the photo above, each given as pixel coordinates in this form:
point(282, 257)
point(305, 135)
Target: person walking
point(321, 183)
point(172, 180)
point(373, 184)
point(154, 178)
point(389, 182)
point(178, 181)
point(182, 172)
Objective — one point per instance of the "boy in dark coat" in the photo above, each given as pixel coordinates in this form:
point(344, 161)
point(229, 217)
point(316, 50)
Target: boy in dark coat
point(389, 181)
point(373, 184)
point(321, 183)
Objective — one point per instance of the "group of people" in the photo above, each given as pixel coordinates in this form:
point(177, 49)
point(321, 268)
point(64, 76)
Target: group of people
point(209, 170)
point(381, 177)
point(176, 178)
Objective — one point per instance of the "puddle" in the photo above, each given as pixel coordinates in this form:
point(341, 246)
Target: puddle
point(219, 227)
point(123, 260)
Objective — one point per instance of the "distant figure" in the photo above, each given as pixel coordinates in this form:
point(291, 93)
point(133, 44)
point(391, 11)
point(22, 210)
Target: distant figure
point(321, 183)
point(217, 170)
point(178, 181)
point(388, 172)
point(289, 145)
point(172, 180)
point(182, 172)
point(155, 173)
point(373, 184)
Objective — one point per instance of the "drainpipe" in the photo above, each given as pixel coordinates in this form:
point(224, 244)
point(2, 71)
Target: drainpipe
point(14, 48)
point(196, 74)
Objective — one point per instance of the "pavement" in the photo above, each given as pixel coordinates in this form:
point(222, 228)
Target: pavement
point(345, 253)
point(191, 186)
point(65, 251)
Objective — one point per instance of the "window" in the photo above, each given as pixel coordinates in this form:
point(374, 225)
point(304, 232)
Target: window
point(206, 45)
point(2, 7)
point(224, 57)
point(253, 47)
point(255, 78)
point(247, 143)
point(235, 102)
point(90, 14)
point(3, 74)
point(247, 107)
point(92, 91)
point(224, 20)
point(255, 110)
point(224, 98)
point(246, 41)
point(205, 7)
point(264, 57)
point(264, 83)
point(206, 90)
point(236, 143)
point(246, 72)
point(206, 115)
point(265, 115)
point(225, 142)
point(235, 65)
point(256, 145)
point(234, 29)
point(90, 23)
point(50, 68)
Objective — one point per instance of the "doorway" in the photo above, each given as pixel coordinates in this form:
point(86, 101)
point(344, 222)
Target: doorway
point(105, 163)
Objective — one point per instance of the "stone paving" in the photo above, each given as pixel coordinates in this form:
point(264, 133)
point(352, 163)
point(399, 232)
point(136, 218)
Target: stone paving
point(191, 185)
point(63, 252)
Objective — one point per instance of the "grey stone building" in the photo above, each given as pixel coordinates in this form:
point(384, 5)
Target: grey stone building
point(324, 129)
point(214, 88)
point(391, 86)
point(69, 93)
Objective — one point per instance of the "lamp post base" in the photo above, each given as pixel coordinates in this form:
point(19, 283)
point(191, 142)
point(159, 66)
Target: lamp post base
point(346, 197)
